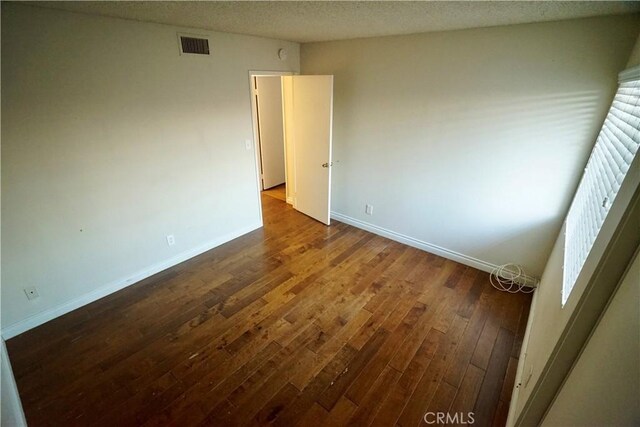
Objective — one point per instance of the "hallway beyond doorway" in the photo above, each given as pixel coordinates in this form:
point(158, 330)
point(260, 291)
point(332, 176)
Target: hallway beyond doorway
point(278, 192)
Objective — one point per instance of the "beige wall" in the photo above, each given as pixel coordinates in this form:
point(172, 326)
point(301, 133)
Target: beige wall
point(634, 59)
point(603, 387)
point(110, 142)
point(287, 110)
point(471, 142)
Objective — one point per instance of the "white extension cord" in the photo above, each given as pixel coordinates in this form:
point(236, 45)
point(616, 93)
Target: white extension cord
point(510, 278)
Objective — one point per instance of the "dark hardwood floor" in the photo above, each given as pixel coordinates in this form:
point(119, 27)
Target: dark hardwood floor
point(293, 324)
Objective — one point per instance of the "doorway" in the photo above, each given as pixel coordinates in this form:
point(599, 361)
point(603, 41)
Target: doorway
point(292, 121)
point(272, 162)
point(270, 121)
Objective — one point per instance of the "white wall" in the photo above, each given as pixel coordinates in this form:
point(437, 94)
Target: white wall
point(11, 413)
point(110, 141)
point(548, 317)
point(603, 388)
point(473, 140)
point(271, 126)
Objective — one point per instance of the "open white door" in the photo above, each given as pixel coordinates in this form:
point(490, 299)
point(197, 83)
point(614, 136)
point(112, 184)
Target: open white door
point(270, 130)
point(313, 118)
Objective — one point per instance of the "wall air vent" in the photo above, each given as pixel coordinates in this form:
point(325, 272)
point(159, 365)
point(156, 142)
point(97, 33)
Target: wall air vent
point(193, 45)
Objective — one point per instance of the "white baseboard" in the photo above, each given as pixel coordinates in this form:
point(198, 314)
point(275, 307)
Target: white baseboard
point(425, 246)
point(50, 314)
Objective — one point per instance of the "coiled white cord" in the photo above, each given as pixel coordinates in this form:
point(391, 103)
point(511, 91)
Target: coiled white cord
point(510, 278)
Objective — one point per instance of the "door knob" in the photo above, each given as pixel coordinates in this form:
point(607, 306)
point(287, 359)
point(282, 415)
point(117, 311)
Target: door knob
point(326, 165)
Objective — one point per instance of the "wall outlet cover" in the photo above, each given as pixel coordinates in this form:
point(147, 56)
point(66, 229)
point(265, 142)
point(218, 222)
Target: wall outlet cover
point(31, 292)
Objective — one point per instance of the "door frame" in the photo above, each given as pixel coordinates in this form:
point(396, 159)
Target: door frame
point(254, 124)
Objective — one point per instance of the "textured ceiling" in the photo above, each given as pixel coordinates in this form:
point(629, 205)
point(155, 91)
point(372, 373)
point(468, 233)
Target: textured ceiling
point(308, 21)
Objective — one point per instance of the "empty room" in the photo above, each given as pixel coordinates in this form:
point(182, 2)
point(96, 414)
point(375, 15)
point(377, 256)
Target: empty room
point(309, 213)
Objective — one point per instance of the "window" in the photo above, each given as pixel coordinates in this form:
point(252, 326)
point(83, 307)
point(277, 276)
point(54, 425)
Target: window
point(615, 149)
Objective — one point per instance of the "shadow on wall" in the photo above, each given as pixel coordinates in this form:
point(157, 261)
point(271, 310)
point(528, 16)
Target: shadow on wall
point(539, 235)
point(488, 175)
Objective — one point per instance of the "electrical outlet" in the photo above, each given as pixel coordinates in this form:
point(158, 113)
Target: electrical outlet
point(171, 240)
point(32, 293)
point(368, 209)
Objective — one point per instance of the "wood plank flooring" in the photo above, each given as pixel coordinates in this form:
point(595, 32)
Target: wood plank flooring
point(279, 192)
point(293, 324)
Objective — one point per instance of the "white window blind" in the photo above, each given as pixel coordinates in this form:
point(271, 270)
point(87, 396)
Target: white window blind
point(614, 150)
